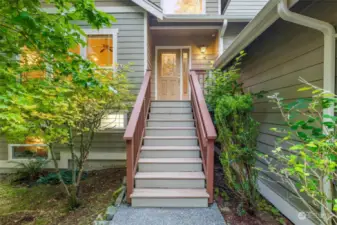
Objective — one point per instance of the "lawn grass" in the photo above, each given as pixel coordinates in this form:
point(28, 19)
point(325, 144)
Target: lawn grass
point(46, 204)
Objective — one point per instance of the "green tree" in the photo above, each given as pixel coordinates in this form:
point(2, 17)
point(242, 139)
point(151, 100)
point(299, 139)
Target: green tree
point(70, 95)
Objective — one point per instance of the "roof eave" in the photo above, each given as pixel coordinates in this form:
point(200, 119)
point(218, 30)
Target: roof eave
point(264, 19)
point(150, 7)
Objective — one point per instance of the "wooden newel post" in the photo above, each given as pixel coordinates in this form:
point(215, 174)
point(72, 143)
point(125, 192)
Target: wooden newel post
point(129, 169)
point(210, 169)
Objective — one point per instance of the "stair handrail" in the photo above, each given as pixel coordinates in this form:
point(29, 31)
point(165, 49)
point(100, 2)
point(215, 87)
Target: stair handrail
point(205, 130)
point(135, 130)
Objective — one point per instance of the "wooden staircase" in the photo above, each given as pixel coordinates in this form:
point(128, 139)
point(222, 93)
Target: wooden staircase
point(170, 150)
point(170, 170)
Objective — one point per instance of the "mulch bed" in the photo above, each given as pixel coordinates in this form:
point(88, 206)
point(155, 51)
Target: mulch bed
point(229, 209)
point(96, 194)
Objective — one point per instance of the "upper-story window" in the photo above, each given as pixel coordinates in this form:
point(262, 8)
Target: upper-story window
point(183, 6)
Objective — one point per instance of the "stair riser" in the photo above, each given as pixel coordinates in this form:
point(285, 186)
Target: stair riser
point(169, 154)
point(171, 110)
point(170, 142)
point(170, 183)
point(171, 104)
point(186, 116)
point(169, 167)
point(170, 202)
point(170, 123)
point(162, 132)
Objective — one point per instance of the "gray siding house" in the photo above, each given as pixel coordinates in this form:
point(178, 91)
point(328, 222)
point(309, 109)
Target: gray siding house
point(143, 30)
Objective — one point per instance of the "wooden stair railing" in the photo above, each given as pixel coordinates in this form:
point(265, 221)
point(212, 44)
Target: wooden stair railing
point(205, 131)
point(135, 131)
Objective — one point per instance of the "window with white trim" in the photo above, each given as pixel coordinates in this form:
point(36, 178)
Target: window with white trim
point(183, 6)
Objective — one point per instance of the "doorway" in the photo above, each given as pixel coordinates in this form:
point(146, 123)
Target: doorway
point(172, 69)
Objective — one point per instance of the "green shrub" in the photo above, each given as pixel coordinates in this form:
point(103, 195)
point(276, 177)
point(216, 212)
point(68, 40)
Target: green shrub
point(30, 170)
point(309, 166)
point(53, 178)
point(237, 133)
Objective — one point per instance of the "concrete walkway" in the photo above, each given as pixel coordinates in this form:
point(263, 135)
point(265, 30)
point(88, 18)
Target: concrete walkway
point(168, 216)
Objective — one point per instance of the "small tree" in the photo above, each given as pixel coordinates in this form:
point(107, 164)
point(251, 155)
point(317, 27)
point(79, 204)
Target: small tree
point(108, 94)
point(68, 93)
point(309, 166)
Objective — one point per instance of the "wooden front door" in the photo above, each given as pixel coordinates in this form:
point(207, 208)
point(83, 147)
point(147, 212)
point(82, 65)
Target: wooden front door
point(169, 70)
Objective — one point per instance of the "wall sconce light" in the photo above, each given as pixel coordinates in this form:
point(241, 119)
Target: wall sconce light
point(203, 49)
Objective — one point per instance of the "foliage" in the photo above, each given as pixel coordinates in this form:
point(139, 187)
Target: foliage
point(29, 170)
point(309, 166)
point(237, 133)
point(70, 95)
point(53, 178)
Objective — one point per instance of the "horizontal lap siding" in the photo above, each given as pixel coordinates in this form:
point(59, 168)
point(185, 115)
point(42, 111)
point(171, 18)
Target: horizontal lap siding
point(244, 9)
point(130, 46)
point(231, 33)
point(274, 62)
point(3, 149)
point(212, 6)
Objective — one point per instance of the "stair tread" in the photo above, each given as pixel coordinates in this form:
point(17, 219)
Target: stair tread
point(174, 148)
point(170, 128)
point(170, 120)
point(169, 193)
point(169, 160)
point(170, 175)
point(170, 100)
point(170, 137)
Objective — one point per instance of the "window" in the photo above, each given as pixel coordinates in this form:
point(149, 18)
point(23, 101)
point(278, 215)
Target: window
point(33, 147)
point(114, 121)
point(31, 59)
point(101, 47)
point(183, 6)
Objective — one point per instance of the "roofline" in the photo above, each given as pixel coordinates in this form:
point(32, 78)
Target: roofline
point(150, 7)
point(264, 19)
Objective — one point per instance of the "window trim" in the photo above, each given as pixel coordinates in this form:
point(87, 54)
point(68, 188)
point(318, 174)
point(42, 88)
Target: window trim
point(10, 152)
point(104, 31)
point(179, 14)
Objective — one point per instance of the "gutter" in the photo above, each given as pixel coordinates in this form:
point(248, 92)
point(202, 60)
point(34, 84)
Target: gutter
point(330, 36)
point(264, 19)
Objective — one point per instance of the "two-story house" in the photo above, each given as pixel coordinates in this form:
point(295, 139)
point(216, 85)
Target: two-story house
point(169, 138)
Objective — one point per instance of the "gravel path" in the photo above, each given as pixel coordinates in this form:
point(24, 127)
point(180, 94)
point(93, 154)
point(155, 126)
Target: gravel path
point(168, 216)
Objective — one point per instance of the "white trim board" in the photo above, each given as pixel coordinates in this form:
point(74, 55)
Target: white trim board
point(146, 33)
point(181, 74)
point(267, 16)
point(285, 207)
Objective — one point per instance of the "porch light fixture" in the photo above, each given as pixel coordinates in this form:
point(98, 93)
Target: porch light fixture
point(203, 49)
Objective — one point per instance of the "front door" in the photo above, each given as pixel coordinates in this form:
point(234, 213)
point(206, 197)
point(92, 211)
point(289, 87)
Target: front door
point(169, 70)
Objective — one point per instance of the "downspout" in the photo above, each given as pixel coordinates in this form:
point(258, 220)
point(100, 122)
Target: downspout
point(330, 36)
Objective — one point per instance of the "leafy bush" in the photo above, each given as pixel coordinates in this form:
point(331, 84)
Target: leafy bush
point(309, 166)
point(30, 170)
point(53, 178)
point(237, 133)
